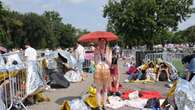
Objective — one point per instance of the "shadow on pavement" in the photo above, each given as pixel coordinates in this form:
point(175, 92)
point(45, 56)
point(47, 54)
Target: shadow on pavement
point(60, 101)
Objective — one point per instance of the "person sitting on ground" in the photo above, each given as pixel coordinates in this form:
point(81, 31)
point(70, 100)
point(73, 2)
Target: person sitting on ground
point(150, 72)
point(134, 73)
point(163, 68)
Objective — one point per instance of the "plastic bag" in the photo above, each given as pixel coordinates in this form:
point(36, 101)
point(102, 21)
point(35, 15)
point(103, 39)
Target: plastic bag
point(91, 99)
point(2, 105)
point(115, 102)
point(34, 81)
point(11, 58)
point(184, 95)
point(73, 76)
point(76, 104)
point(134, 95)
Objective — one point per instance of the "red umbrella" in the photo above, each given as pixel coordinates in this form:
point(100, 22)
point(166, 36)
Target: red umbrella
point(94, 36)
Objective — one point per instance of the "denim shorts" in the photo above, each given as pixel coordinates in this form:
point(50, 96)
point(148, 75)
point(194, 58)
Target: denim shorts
point(192, 66)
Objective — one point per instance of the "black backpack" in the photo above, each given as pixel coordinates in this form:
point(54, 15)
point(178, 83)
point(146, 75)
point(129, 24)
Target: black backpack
point(152, 103)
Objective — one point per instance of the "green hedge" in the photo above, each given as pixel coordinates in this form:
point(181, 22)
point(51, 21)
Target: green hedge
point(179, 66)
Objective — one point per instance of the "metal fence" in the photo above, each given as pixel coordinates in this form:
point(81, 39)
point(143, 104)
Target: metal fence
point(172, 58)
point(87, 64)
point(165, 56)
point(127, 53)
point(13, 81)
point(153, 56)
point(13, 84)
point(89, 57)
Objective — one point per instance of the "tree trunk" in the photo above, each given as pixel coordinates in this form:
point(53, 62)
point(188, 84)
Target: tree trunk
point(149, 46)
point(130, 46)
point(163, 44)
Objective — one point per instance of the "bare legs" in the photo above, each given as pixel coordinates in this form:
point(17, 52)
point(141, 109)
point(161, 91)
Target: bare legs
point(101, 92)
point(166, 72)
point(98, 94)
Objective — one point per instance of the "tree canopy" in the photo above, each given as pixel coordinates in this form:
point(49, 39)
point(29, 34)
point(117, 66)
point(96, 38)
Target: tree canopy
point(42, 31)
point(144, 21)
point(187, 34)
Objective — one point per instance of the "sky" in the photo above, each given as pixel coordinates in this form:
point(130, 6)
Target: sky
point(84, 14)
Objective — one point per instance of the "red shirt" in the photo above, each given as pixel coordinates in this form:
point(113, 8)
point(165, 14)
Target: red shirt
point(132, 70)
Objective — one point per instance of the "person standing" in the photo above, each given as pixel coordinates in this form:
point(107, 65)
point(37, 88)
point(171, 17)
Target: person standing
point(30, 53)
point(92, 48)
point(34, 79)
point(116, 49)
point(103, 59)
point(115, 72)
point(80, 56)
point(189, 61)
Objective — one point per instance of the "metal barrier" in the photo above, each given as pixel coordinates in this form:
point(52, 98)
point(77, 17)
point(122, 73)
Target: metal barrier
point(13, 82)
point(4, 89)
point(126, 53)
point(20, 54)
point(87, 64)
point(14, 88)
point(153, 56)
point(89, 57)
point(165, 56)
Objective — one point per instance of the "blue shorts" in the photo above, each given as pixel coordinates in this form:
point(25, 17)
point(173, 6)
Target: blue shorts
point(192, 66)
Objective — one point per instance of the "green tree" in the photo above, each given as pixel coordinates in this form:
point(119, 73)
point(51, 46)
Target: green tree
point(178, 38)
point(55, 27)
point(5, 27)
point(70, 35)
point(189, 34)
point(42, 31)
point(145, 20)
point(2, 31)
point(36, 30)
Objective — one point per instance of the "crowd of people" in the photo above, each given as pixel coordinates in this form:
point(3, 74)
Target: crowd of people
point(150, 71)
point(106, 73)
point(105, 61)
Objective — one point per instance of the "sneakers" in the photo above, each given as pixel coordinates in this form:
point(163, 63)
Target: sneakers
point(126, 80)
point(103, 108)
point(169, 81)
point(100, 108)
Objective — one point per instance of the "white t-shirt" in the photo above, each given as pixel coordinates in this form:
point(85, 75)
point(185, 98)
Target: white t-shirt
point(31, 54)
point(80, 53)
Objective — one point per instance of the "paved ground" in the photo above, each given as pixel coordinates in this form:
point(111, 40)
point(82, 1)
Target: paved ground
point(77, 89)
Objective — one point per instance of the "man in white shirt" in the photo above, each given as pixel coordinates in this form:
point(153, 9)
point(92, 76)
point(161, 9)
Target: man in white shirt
point(80, 56)
point(34, 81)
point(30, 53)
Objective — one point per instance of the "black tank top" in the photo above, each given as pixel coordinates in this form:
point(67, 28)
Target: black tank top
point(114, 60)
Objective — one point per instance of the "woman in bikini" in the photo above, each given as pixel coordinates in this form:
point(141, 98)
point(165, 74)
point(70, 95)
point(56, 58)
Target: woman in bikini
point(103, 58)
